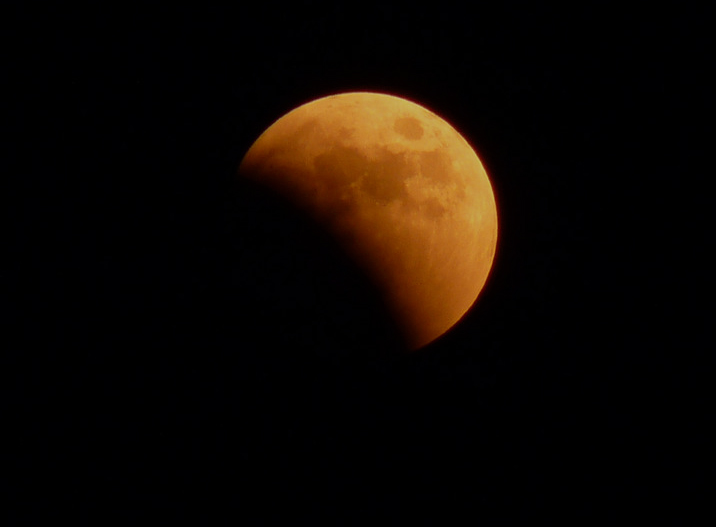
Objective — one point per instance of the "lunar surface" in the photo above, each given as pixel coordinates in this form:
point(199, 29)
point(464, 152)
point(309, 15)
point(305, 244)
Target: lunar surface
point(400, 189)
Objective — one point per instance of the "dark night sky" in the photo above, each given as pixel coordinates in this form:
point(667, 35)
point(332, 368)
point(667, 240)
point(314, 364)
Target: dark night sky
point(183, 347)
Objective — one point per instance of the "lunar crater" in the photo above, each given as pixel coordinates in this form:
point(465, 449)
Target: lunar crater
point(432, 208)
point(409, 127)
point(436, 166)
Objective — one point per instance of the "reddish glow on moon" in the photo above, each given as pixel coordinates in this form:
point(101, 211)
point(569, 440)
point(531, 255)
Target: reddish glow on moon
point(400, 189)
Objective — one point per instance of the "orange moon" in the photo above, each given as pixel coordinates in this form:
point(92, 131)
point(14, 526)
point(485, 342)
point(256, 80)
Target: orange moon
point(402, 192)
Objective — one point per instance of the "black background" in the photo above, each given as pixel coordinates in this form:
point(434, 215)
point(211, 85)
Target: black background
point(181, 346)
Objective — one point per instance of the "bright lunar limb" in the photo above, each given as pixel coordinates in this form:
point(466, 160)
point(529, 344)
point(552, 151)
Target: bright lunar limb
point(400, 189)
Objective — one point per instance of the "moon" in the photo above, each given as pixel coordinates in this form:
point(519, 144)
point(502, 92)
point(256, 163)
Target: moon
point(400, 190)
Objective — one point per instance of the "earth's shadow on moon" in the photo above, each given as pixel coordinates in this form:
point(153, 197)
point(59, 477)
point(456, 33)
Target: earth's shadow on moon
point(296, 292)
